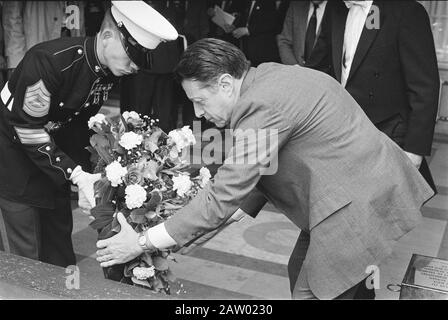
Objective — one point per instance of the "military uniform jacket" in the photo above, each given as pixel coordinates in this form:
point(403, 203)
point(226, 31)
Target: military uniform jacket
point(46, 104)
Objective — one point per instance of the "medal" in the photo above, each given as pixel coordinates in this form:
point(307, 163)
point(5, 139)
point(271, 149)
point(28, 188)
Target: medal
point(51, 126)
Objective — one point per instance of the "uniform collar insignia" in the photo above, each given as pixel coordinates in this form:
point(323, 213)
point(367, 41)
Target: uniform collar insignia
point(92, 58)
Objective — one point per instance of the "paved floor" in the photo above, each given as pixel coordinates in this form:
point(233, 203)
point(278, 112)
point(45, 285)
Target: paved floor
point(250, 257)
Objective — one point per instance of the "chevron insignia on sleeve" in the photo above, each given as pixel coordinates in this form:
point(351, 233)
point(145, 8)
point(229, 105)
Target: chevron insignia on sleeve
point(32, 136)
point(37, 100)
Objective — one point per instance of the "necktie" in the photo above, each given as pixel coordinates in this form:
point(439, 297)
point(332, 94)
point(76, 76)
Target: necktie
point(310, 36)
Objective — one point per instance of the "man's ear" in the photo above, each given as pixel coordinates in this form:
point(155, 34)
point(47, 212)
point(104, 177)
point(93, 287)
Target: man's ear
point(226, 82)
point(106, 35)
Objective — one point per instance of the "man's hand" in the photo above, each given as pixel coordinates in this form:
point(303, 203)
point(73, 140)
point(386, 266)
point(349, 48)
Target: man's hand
point(415, 158)
point(237, 216)
point(9, 73)
point(121, 248)
point(211, 12)
point(228, 27)
point(3, 65)
point(240, 32)
point(85, 182)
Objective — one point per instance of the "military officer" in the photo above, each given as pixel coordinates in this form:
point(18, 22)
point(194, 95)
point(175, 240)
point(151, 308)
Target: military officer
point(44, 110)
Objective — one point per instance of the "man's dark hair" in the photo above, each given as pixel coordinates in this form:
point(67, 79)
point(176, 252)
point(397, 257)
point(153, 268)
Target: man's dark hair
point(207, 59)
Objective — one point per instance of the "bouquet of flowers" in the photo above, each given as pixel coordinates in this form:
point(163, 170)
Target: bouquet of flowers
point(145, 178)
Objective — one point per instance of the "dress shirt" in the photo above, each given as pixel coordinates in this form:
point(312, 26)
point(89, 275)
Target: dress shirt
point(354, 26)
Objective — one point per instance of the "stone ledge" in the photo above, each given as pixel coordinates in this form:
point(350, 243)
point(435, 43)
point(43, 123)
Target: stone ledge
point(23, 278)
point(39, 280)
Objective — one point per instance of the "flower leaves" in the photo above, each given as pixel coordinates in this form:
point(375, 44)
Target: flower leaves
point(144, 283)
point(160, 263)
point(129, 266)
point(104, 215)
point(150, 170)
point(151, 142)
point(102, 145)
point(138, 215)
point(154, 201)
point(104, 191)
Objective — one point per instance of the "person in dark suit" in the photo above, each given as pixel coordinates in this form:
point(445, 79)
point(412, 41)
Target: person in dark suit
point(235, 8)
point(383, 53)
point(258, 32)
point(153, 91)
point(327, 168)
point(301, 28)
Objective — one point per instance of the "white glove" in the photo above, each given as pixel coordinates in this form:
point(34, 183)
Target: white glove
point(85, 181)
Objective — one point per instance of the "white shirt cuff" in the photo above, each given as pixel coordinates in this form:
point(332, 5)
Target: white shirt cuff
point(159, 237)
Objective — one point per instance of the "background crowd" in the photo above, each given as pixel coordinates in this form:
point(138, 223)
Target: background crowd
point(266, 30)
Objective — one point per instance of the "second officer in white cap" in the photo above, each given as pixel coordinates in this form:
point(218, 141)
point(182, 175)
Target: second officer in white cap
point(44, 111)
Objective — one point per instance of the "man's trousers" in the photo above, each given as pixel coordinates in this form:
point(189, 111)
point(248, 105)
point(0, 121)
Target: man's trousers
point(37, 233)
point(300, 289)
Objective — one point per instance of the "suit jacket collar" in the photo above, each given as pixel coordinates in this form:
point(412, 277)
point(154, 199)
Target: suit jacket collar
point(338, 25)
point(365, 42)
point(249, 78)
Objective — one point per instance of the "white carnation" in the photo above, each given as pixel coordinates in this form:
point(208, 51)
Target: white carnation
point(132, 114)
point(130, 140)
point(182, 184)
point(97, 120)
point(135, 196)
point(142, 273)
point(115, 173)
point(205, 175)
point(188, 134)
point(182, 138)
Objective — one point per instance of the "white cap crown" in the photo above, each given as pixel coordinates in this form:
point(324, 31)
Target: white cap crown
point(147, 26)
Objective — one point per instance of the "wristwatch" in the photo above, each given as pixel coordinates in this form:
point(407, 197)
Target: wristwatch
point(144, 242)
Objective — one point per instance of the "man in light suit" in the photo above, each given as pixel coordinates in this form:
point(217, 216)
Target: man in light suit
point(301, 29)
point(27, 23)
point(337, 177)
point(383, 53)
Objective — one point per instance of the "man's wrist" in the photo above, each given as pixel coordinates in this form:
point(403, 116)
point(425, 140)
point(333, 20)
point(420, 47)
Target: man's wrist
point(159, 237)
point(144, 242)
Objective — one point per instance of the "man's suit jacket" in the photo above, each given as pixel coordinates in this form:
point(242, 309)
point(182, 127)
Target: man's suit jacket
point(261, 44)
point(234, 7)
point(338, 177)
point(394, 76)
point(291, 41)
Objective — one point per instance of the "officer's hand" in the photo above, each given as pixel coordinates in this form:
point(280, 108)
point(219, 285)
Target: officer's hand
point(211, 12)
point(10, 71)
point(85, 182)
point(2, 63)
point(240, 32)
point(228, 27)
